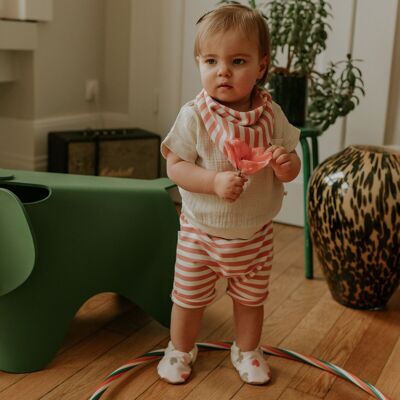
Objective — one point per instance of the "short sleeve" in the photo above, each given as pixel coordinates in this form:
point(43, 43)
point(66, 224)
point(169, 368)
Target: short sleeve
point(285, 134)
point(182, 137)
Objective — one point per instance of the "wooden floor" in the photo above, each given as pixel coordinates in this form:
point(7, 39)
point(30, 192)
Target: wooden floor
point(300, 315)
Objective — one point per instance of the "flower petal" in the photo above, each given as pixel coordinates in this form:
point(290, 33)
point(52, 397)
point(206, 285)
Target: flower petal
point(260, 155)
point(250, 167)
point(242, 156)
point(230, 152)
point(243, 150)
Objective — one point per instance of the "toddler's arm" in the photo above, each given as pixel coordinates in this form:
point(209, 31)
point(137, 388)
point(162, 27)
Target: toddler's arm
point(286, 165)
point(227, 185)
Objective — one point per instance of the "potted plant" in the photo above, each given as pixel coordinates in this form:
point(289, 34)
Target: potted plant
point(299, 32)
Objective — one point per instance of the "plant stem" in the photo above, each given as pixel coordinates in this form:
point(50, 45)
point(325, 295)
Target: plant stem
point(253, 3)
point(289, 63)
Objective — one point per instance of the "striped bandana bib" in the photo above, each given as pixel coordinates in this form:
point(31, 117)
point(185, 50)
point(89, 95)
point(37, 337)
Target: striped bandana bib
point(254, 127)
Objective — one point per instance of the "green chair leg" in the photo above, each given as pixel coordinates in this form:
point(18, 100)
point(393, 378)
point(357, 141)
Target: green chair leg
point(308, 252)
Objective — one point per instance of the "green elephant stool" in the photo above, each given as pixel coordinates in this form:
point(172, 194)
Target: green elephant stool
point(65, 238)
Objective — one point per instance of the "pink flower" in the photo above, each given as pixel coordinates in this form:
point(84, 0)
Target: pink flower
point(246, 159)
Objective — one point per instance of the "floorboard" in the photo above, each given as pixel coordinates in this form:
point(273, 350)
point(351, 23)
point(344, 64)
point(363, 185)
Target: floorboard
point(300, 315)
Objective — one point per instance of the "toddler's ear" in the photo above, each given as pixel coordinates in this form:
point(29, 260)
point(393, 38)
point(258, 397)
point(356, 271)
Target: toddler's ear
point(263, 66)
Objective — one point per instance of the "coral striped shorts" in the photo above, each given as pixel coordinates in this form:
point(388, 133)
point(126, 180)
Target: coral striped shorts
point(202, 259)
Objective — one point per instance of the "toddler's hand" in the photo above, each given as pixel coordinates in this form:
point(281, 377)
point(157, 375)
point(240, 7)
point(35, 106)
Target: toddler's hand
point(284, 164)
point(228, 185)
point(280, 156)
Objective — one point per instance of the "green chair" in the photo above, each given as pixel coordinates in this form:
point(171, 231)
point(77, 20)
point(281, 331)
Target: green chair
point(65, 238)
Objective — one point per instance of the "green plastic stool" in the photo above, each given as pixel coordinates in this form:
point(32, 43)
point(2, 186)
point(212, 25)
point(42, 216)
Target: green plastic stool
point(65, 238)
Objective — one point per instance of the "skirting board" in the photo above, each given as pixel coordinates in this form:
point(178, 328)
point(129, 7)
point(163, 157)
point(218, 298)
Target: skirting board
point(16, 143)
point(16, 161)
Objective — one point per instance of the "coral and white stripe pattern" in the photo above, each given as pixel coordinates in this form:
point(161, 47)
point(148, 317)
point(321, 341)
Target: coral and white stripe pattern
point(255, 127)
point(202, 259)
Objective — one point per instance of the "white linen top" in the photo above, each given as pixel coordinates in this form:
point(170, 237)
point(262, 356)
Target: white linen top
point(262, 197)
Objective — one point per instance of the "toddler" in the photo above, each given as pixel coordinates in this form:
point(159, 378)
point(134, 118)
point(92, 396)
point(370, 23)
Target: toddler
point(226, 228)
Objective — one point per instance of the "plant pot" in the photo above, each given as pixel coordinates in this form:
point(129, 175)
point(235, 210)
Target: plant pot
point(354, 215)
point(290, 92)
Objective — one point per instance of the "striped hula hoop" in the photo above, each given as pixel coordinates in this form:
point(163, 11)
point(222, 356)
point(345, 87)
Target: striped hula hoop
point(155, 355)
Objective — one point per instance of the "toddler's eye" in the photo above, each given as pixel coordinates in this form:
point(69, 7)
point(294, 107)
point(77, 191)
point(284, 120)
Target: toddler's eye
point(239, 61)
point(210, 61)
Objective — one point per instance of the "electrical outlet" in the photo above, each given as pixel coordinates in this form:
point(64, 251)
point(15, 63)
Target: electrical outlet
point(91, 90)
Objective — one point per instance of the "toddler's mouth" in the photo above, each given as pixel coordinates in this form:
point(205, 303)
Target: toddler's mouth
point(225, 85)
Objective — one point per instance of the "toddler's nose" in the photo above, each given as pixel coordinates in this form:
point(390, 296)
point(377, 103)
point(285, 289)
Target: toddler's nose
point(224, 70)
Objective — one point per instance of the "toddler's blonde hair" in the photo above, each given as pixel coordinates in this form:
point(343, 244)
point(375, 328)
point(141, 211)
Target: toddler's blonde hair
point(236, 17)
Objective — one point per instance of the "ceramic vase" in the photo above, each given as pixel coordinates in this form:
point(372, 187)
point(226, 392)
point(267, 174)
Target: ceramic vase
point(354, 216)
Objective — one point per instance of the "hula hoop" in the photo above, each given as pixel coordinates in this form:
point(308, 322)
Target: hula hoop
point(155, 355)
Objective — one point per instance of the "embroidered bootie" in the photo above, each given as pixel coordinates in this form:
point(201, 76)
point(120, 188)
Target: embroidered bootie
point(251, 365)
point(176, 366)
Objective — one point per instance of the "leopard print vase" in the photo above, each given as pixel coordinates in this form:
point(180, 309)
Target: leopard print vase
point(354, 214)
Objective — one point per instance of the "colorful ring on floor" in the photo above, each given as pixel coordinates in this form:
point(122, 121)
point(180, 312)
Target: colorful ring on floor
point(151, 356)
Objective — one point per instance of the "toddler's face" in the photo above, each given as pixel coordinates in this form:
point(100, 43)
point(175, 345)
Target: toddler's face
point(230, 66)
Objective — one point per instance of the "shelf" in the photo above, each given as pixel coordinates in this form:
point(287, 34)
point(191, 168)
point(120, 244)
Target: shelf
point(27, 10)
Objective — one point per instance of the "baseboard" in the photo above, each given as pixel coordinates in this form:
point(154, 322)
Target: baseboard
point(16, 143)
point(16, 161)
point(40, 163)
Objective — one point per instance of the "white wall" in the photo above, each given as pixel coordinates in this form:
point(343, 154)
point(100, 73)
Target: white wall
point(392, 133)
point(49, 92)
point(171, 65)
point(155, 63)
point(141, 52)
point(190, 74)
point(145, 61)
point(70, 51)
point(115, 93)
point(374, 36)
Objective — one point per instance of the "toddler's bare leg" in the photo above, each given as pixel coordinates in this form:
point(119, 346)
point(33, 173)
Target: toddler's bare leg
point(246, 356)
point(248, 325)
point(181, 353)
point(185, 326)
